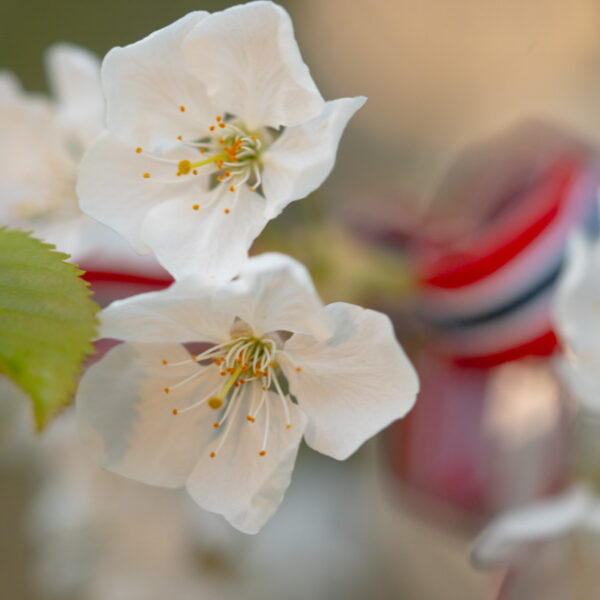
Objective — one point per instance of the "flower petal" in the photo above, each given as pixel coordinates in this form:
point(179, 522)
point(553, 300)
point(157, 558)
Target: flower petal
point(275, 292)
point(238, 483)
point(127, 420)
point(303, 156)
point(543, 520)
point(146, 84)
point(249, 60)
point(352, 385)
point(209, 239)
point(112, 188)
point(74, 78)
point(182, 313)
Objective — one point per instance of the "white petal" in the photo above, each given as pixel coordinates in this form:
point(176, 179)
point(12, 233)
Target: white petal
point(182, 313)
point(207, 243)
point(352, 385)
point(36, 173)
point(112, 188)
point(127, 419)
point(303, 156)
point(10, 86)
point(275, 292)
point(74, 78)
point(238, 483)
point(544, 520)
point(146, 83)
point(249, 60)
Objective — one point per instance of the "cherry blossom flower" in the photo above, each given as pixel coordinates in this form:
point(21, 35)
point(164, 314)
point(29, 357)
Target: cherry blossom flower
point(550, 546)
point(214, 126)
point(42, 142)
point(226, 422)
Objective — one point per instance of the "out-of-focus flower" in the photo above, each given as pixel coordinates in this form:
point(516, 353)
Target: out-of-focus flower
point(41, 145)
point(204, 146)
point(551, 547)
point(222, 422)
point(577, 319)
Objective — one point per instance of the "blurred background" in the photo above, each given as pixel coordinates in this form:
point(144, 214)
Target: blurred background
point(455, 189)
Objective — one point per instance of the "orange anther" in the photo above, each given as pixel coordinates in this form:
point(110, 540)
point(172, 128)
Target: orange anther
point(212, 455)
point(271, 364)
point(262, 452)
point(264, 387)
point(164, 361)
point(227, 173)
point(222, 125)
point(236, 384)
point(146, 175)
point(298, 369)
point(242, 381)
point(202, 150)
point(226, 211)
point(218, 118)
point(232, 188)
point(265, 373)
point(178, 174)
point(216, 425)
point(212, 127)
point(195, 172)
point(223, 373)
point(196, 206)
point(138, 149)
point(251, 419)
point(182, 108)
point(166, 390)
point(179, 137)
point(288, 426)
point(252, 189)
point(175, 411)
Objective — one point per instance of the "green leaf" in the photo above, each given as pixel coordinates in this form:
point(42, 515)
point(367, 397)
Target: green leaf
point(47, 321)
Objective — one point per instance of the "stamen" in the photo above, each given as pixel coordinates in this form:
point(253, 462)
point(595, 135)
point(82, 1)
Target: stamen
point(263, 449)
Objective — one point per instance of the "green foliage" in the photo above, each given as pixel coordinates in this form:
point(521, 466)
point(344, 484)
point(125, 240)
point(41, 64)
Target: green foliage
point(47, 321)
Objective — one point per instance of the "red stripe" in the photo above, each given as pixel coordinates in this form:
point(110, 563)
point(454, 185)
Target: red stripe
point(494, 249)
point(544, 345)
point(98, 276)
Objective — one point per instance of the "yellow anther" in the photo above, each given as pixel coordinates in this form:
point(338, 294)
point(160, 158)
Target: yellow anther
point(138, 149)
point(146, 175)
point(215, 403)
point(184, 166)
point(180, 137)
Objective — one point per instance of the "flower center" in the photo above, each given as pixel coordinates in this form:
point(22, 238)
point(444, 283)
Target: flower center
point(244, 360)
point(230, 156)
